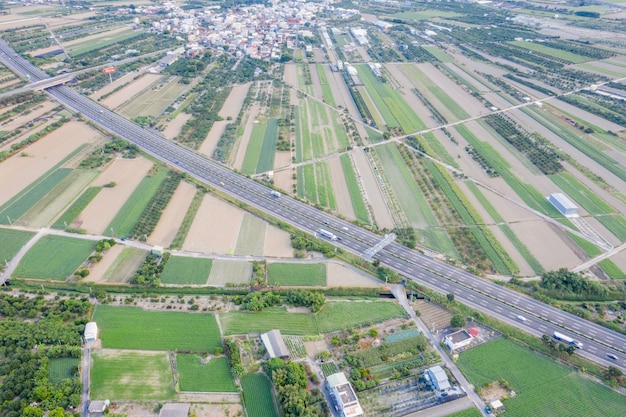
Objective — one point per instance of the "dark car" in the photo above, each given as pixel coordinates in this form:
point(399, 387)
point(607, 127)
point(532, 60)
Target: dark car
point(612, 356)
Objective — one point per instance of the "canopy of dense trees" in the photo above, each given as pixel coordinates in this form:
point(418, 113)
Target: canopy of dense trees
point(565, 281)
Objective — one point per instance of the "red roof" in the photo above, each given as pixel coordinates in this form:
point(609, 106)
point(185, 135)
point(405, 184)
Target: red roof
point(474, 331)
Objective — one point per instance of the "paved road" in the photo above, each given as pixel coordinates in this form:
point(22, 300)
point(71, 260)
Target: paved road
point(85, 369)
point(489, 298)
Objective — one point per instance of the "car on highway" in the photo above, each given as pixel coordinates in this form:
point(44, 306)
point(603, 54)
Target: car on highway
point(611, 356)
point(521, 318)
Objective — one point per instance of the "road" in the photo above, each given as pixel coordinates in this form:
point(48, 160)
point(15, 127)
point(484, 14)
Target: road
point(487, 297)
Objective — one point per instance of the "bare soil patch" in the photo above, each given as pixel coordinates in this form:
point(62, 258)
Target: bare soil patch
point(283, 178)
point(173, 126)
point(97, 271)
point(340, 188)
point(434, 316)
point(17, 171)
point(493, 392)
point(210, 142)
point(341, 275)
point(127, 174)
point(131, 90)
point(215, 228)
point(546, 245)
point(373, 194)
point(37, 111)
point(277, 243)
point(314, 347)
point(234, 101)
point(173, 215)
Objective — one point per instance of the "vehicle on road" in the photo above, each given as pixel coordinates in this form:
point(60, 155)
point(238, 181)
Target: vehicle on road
point(521, 318)
point(611, 356)
point(327, 234)
point(275, 194)
point(566, 339)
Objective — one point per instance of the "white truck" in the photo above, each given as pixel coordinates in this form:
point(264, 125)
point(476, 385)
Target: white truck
point(566, 339)
point(328, 235)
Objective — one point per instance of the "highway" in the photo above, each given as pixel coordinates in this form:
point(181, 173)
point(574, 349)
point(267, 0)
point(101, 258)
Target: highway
point(488, 298)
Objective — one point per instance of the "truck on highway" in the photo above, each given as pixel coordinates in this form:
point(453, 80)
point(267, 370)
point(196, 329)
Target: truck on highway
point(566, 339)
point(328, 235)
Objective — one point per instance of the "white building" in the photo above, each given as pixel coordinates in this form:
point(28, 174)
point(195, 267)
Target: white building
point(438, 378)
point(457, 340)
point(91, 331)
point(563, 204)
point(344, 396)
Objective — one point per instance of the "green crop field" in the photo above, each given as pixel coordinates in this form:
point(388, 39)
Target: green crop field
point(258, 397)
point(54, 257)
point(470, 412)
point(125, 219)
point(253, 151)
point(230, 272)
point(245, 322)
point(62, 368)
point(251, 239)
point(125, 265)
point(15, 208)
point(329, 368)
point(131, 376)
point(358, 204)
point(12, 242)
point(91, 45)
point(134, 328)
point(327, 91)
point(296, 274)
point(152, 102)
point(213, 376)
point(76, 208)
point(427, 14)
point(349, 315)
point(185, 270)
point(544, 388)
point(268, 148)
point(553, 52)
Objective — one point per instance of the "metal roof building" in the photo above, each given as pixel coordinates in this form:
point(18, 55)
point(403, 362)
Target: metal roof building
point(274, 344)
point(438, 378)
point(91, 331)
point(563, 204)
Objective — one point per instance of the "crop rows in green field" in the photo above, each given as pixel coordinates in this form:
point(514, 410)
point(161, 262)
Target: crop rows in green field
point(439, 151)
point(334, 316)
point(327, 91)
point(125, 219)
point(295, 345)
point(584, 197)
point(358, 204)
point(329, 368)
point(258, 397)
point(314, 184)
point(251, 238)
point(76, 208)
point(543, 387)
point(361, 91)
point(185, 270)
point(195, 376)
point(553, 52)
point(134, 328)
point(393, 108)
point(62, 368)
point(12, 241)
point(145, 376)
point(470, 412)
point(15, 208)
point(607, 265)
point(266, 158)
point(54, 257)
point(91, 45)
point(253, 151)
point(296, 274)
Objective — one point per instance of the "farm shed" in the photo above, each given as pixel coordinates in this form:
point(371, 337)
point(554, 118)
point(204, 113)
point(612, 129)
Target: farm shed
point(275, 345)
point(91, 331)
point(457, 340)
point(343, 395)
point(174, 410)
point(157, 251)
point(97, 408)
point(563, 204)
point(438, 378)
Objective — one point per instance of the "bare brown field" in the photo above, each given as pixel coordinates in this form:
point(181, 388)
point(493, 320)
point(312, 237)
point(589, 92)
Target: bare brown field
point(340, 275)
point(373, 195)
point(173, 215)
point(277, 243)
point(124, 79)
point(545, 245)
point(215, 228)
point(210, 142)
point(152, 102)
point(283, 178)
point(127, 93)
point(38, 111)
point(173, 126)
point(26, 132)
point(98, 270)
point(340, 188)
point(220, 407)
point(18, 172)
point(234, 102)
point(127, 174)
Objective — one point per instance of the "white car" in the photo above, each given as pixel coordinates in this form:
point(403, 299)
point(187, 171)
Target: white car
point(521, 318)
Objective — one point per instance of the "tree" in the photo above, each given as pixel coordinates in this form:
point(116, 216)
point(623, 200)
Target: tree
point(450, 297)
point(457, 321)
point(31, 411)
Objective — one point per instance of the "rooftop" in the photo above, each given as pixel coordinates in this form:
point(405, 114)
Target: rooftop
point(459, 336)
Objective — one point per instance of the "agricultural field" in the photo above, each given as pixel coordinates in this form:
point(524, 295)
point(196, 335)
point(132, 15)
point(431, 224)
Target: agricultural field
point(296, 274)
point(197, 376)
point(261, 147)
point(470, 412)
point(54, 258)
point(542, 387)
point(151, 103)
point(62, 368)
point(131, 376)
point(12, 241)
point(225, 272)
point(134, 328)
point(258, 397)
point(251, 239)
point(76, 208)
point(122, 267)
point(185, 270)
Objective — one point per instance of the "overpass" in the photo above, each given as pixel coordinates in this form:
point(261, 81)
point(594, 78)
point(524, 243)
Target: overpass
point(50, 82)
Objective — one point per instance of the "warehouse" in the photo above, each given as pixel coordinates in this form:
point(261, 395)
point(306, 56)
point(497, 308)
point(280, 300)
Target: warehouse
point(275, 345)
point(563, 204)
